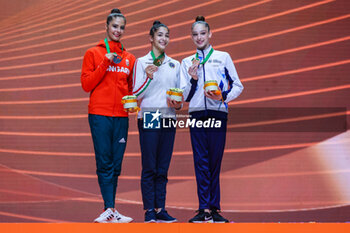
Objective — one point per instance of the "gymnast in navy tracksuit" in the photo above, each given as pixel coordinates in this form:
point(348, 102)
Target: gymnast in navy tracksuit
point(154, 74)
point(208, 144)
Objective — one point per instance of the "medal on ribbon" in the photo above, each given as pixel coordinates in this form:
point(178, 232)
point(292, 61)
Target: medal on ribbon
point(196, 59)
point(157, 61)
point(117, 58)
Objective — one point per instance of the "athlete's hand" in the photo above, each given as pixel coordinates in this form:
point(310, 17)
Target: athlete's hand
point(192, 71)
point(212, 95)
point(110, 56)
point(174, 104)
point(150, 70)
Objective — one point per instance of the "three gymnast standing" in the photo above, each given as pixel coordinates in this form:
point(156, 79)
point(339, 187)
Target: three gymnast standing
point(208, 144)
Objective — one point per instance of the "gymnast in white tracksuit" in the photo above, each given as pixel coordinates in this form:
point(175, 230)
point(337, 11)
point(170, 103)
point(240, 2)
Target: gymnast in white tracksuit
point(208, 144)
point(154, 75)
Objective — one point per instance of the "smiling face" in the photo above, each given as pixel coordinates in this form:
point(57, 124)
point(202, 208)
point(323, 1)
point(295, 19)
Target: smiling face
point(201, 36)
point(115, 29)
point(160, 39)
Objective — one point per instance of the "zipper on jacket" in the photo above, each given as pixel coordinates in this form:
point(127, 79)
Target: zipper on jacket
point(115, 94)
point(205, 98)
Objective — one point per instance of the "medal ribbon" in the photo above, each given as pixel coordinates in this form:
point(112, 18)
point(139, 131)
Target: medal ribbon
point(207, 57)
point(108, 49)
point(156, 60)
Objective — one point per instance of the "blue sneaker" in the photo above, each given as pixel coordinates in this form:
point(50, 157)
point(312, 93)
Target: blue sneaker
point(163, 216)
point(150, 216)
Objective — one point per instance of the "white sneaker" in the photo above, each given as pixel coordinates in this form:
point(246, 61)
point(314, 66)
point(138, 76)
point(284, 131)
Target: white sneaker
point(119, 218)
point(106, 217)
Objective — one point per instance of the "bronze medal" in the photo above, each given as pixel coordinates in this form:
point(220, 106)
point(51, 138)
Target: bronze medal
point(196, 62)
point(206, 58)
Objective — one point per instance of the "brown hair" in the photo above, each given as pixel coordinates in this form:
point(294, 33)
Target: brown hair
point(156, 24)
point(200, 20)
point(114, 14)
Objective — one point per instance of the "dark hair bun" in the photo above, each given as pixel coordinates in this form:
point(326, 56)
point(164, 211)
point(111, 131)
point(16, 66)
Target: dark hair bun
point(200, 18)
point(156, 22)
point(116, 11)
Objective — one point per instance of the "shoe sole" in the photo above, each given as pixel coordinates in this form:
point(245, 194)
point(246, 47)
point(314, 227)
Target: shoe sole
point(151, 221)
point(124, 221)
point(111, 221)
point(164, 221)
point(103, 222)
point(209, 221)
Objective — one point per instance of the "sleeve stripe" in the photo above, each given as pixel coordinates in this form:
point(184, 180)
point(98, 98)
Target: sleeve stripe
point(194, 84)
point(230, 82)
point(143, 86)
point(147, 82)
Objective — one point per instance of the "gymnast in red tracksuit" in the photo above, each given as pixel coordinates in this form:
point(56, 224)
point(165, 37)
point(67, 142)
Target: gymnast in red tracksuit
point(107, 75)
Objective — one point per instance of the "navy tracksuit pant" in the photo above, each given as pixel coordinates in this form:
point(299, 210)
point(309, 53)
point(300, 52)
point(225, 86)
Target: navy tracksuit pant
point(109, 135)
point(208, 148)
point(156, 151)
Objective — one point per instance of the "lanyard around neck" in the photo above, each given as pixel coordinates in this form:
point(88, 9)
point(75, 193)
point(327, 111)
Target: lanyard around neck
point(206, 57)
point(157, 60)
point(107, 46)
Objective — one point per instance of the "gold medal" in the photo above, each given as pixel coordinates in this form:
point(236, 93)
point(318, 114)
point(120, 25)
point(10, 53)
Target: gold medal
point(157, 62)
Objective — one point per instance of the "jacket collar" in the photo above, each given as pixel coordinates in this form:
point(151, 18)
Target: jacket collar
point(206, 51)
point(113, 45)
point(166, 58)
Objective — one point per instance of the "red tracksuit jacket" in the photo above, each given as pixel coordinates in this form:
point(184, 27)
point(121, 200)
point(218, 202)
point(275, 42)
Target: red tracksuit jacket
point(106, 81)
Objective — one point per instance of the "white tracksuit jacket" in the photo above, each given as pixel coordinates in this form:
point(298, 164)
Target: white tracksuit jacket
point(152, 92)
point(219, 67)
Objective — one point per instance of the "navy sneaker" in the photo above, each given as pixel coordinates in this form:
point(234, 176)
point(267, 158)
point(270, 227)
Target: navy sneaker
point(201, 217)
point(217, 217)
point(150, 216)
point(163, 216)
